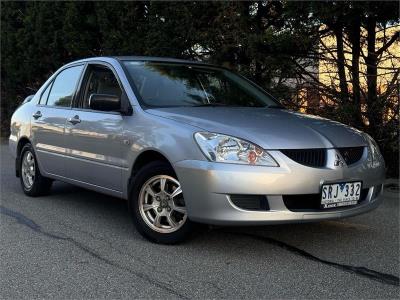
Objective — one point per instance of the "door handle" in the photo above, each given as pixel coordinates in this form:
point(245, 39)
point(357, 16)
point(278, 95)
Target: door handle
point(74, 120)
point(37, 115)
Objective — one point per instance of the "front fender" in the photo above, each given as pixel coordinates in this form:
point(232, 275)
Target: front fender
point(170, 138)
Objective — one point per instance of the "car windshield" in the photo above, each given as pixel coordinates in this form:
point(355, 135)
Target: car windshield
point(162, 84)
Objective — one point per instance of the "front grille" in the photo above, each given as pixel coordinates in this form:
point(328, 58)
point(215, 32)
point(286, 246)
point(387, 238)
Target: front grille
point(311, 202)
point(351, 155)
point(250, 202)
point(308, 157)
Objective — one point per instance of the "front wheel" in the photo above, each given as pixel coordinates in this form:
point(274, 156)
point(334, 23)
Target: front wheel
point(157, 204)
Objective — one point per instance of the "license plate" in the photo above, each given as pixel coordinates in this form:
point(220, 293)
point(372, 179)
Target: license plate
point(340, 194)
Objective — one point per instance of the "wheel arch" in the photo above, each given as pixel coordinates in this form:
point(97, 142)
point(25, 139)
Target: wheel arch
point(146, 157)
point(21, 143)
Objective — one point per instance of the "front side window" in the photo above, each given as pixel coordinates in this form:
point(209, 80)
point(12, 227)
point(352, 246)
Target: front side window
point(101, 80)
point(170, 84)
point(64, 87)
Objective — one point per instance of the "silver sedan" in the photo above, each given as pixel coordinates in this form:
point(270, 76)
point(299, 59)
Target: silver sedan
point(186, 142)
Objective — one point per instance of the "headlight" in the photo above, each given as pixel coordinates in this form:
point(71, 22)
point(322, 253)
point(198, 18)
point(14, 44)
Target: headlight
point(228, 149)
point(374, 151)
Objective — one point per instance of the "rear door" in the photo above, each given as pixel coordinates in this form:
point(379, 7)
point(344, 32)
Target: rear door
point(50, 115)
point(95, 137)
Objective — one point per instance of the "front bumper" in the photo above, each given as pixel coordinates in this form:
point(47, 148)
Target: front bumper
point(207, 187)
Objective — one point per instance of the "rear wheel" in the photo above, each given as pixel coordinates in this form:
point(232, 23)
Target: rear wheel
point(157, 204)
point(32, 182)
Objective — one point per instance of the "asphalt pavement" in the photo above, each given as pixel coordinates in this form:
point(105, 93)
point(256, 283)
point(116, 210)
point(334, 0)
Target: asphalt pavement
point(78, 244)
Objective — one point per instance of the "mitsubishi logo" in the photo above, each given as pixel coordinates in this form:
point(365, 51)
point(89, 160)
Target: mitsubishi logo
point(338, 161)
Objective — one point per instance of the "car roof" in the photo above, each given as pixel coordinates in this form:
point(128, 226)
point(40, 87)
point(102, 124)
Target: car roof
point(142, 58)
point(157, 59)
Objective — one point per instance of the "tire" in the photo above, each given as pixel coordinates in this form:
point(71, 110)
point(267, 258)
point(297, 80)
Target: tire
point(160, 217)
point(38, 185)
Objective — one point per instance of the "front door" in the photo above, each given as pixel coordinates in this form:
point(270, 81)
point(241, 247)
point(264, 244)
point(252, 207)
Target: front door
point(94, 137)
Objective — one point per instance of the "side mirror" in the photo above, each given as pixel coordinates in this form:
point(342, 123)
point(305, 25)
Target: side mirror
point(28, 99)
point(105, 102)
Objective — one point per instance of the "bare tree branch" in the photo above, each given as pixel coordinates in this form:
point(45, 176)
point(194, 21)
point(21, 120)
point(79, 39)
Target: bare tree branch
point(388, 44)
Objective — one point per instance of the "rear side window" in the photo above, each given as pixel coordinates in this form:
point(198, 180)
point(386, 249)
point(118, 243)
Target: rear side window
point(64, 87)
point(45, 94)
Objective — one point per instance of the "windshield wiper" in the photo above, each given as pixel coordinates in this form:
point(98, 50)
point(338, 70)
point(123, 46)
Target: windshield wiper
point(223, 104)
point(209, 104)
point(275, 106)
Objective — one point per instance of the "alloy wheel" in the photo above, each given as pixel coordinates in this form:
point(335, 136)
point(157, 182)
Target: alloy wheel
point(28, 169)
point(161, 204)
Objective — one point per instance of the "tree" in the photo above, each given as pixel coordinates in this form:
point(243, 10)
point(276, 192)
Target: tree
point(331, 58)
point(357, 44)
